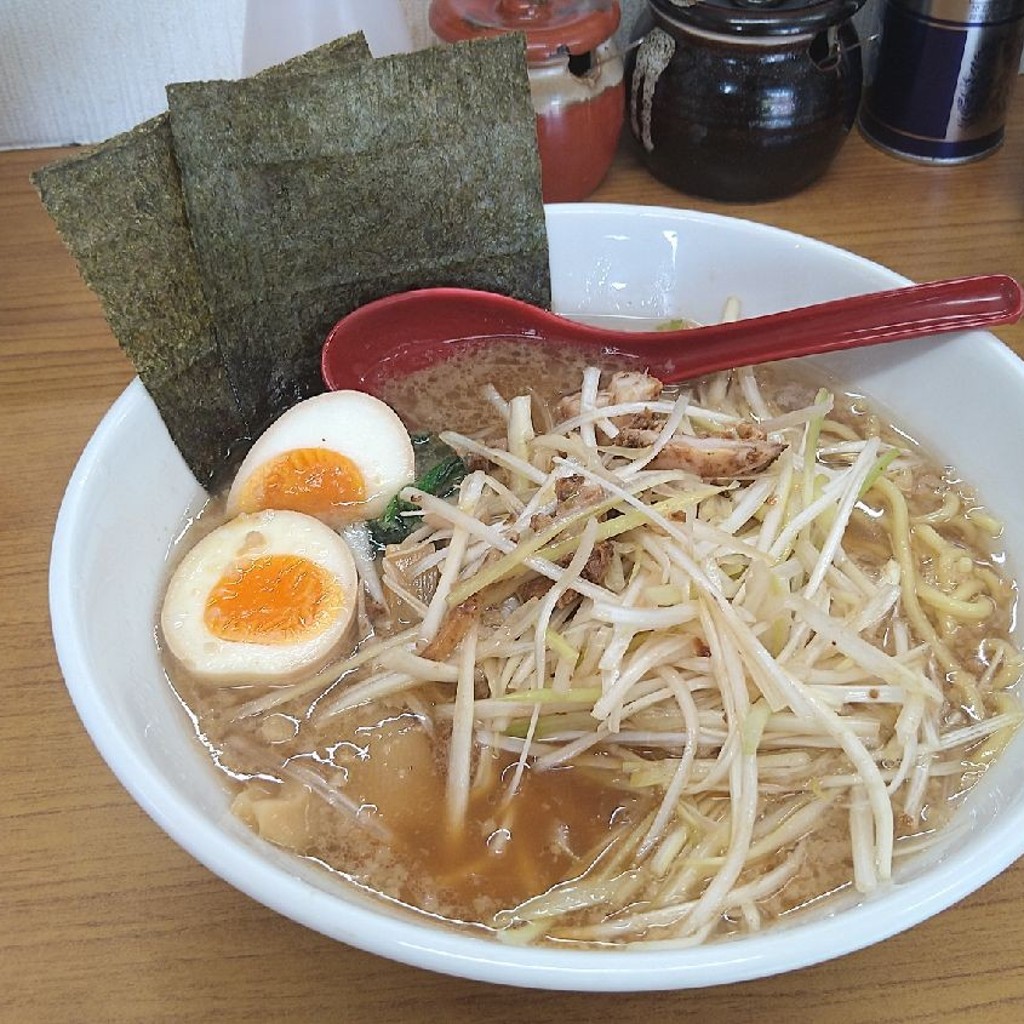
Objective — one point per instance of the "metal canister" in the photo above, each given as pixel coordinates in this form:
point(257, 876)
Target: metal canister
point(943, 77)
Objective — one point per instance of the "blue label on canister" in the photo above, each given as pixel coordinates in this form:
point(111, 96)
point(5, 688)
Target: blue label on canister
point(943, 77)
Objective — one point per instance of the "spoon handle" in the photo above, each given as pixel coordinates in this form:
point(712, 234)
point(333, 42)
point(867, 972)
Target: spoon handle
point(934, 308)
point(410, 331)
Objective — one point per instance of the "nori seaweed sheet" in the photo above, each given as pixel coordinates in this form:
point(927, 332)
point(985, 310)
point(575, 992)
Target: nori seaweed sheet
point(315, 186)
point(120, 210)
point(396, 173)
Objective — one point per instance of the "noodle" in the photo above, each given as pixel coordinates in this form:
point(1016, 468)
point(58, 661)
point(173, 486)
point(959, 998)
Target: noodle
point(634, 702)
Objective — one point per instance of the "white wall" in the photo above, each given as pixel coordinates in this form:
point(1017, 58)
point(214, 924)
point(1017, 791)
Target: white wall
point(75, 71)
point(78, 72)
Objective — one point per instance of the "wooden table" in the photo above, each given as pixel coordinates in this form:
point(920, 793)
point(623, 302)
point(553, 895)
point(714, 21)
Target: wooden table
point(104, 919)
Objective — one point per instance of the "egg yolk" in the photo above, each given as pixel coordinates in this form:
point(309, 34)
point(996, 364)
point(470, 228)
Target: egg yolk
point(310, 480)
point(273, 599)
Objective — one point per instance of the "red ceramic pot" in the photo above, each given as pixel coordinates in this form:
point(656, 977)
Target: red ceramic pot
point(576, 79)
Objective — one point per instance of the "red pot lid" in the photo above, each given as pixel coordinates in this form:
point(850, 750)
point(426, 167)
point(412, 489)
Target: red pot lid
point(550, 26)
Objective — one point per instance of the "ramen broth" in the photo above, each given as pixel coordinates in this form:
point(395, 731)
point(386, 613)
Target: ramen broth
point(363, 792)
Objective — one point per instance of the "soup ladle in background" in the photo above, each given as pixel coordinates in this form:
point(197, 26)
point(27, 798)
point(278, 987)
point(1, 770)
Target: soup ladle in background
point(410, 331)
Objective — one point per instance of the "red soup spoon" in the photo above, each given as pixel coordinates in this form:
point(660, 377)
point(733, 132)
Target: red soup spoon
point(410, 331)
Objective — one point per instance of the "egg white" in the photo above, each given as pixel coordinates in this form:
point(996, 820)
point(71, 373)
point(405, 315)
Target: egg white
point(230, 661)
point(356, 425)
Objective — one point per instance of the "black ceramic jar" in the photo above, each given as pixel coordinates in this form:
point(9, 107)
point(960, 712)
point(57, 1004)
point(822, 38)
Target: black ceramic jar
point(743, 100)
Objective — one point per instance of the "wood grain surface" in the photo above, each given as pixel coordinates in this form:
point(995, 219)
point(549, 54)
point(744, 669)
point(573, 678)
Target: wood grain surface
point(103, 918)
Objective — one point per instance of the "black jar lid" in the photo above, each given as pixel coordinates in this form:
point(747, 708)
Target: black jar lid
point(758, 17)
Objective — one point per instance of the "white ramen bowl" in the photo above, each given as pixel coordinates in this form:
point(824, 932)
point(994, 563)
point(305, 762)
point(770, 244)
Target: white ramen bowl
point(962, 395)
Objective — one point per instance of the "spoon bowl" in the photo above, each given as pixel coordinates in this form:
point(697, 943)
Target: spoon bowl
point(399, 334)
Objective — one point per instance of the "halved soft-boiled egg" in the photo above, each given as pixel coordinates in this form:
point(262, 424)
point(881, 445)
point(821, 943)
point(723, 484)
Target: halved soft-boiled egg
point(264, 598)
point(340, 456)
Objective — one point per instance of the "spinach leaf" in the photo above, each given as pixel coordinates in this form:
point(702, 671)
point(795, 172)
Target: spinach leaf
point(441, 479)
